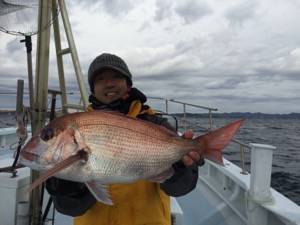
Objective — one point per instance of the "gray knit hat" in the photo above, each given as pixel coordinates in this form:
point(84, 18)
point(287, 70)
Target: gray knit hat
point(108, 61)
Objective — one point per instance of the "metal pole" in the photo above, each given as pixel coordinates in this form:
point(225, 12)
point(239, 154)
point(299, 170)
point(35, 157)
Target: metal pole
point(167, 108)
point(41, 93)
point(193, 105)
point(60, 65)
point(184, 116)
point(30, 86)
point(74, 54)
point(20, 91)
point(243, 160)
point(210, 119)
point(28, 45)
point(42, 63)
point(53, 93)
point(53, 103)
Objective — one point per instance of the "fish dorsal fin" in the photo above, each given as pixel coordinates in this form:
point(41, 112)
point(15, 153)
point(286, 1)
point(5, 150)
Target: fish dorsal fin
point(141, 122)
point(57, 168)
point(99, 191)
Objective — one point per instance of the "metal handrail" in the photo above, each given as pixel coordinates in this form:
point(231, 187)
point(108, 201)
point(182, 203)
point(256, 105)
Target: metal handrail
point(193, 105)
point(184, 104)
point(242, 145)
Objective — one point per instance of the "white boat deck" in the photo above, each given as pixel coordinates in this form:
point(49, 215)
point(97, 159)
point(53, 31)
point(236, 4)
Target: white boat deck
point(222, 194)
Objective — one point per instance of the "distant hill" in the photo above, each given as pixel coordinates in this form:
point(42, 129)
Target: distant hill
point(247, 115)
point(5, 111)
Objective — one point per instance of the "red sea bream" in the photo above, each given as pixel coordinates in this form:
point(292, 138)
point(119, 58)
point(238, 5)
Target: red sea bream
point(101, 148)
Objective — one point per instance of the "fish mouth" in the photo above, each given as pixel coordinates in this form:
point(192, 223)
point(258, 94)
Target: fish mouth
point(31, 160)
point(29, 156)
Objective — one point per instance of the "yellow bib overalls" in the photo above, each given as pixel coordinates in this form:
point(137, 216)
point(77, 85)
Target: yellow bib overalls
point(139, 203)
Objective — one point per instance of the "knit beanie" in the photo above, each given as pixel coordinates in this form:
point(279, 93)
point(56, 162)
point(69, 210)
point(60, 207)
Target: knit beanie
point(108, 61)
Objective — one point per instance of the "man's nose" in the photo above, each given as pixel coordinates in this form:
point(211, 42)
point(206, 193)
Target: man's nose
point(109, 82)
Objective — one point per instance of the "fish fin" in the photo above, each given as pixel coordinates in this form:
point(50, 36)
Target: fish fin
point(58, 167)
point(160, 178)
point(99, 191)
point(164, 129)
point(80, 141)
point(73, 132)
point(215, 141)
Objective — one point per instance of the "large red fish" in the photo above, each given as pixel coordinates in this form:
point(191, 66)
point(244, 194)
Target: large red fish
point(101, 148)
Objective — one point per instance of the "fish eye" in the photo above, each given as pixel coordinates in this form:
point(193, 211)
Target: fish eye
point(47, 134)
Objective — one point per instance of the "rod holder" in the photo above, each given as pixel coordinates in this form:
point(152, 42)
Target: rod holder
point(261, 168)
point(260, 182)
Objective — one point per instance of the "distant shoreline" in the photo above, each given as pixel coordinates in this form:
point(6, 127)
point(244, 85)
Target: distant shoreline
point(220, 115)
point(247, 115)
point(7, 111)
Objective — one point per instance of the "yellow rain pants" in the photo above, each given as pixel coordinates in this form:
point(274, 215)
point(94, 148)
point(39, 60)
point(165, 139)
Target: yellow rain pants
point(139, 203)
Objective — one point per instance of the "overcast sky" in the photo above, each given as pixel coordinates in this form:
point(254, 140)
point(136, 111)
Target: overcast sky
point(236, 55)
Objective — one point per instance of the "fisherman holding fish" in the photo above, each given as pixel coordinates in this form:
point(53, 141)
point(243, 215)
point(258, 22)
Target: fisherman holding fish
point(119, 162)
point(142, 202)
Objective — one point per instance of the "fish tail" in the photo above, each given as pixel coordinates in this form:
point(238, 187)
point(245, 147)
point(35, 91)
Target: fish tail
point(212, 143)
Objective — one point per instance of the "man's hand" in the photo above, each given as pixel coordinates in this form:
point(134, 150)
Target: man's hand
point(193, 156)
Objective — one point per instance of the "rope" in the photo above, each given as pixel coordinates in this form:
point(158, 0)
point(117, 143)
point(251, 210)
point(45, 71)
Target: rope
point(22, 121)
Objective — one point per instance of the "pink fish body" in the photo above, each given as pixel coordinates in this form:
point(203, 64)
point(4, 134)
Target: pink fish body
point(115, 149)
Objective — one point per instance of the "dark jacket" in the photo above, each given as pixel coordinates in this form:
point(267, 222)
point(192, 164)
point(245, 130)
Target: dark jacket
point(73, 198)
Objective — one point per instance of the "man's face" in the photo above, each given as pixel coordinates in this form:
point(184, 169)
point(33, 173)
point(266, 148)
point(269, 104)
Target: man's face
point(109, 85)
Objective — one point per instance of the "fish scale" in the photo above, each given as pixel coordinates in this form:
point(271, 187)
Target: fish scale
point(117, 141)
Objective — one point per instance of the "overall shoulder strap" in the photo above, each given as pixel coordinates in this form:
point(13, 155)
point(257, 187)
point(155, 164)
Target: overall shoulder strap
point(136, 108)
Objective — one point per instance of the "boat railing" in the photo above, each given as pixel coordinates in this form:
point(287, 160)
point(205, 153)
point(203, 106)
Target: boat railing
point(184, 105)
point(242, 146)
point(166, 109)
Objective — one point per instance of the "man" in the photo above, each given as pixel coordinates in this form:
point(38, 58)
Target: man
point(138, 203)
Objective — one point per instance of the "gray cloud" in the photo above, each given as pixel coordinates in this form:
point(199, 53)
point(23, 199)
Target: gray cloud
point(117, 7)
point(272, 75)
point(114, 8)
point(238, 14)
point(163, 10)
point(192, 10)
point(13, 59)
point(6, 8)
point(230, 83)
point(90, 5)
point(145, 25)
point(246, 64)
point(14, 47)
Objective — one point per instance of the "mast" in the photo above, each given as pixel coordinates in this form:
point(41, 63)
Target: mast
point(41, 95)
point(39, 113)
